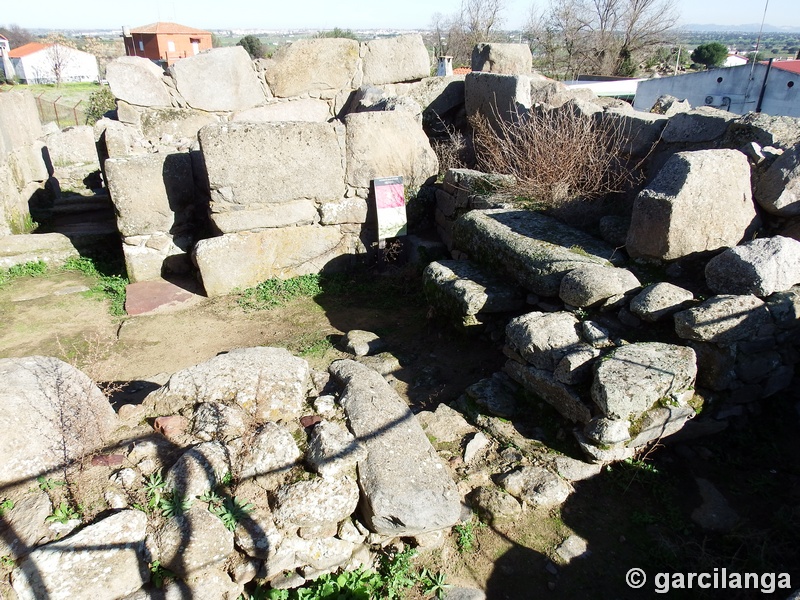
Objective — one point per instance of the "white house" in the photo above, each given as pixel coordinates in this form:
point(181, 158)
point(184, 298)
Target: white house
point(735, 60)
point(772, 90)
point(5, 49)
point(43, 63)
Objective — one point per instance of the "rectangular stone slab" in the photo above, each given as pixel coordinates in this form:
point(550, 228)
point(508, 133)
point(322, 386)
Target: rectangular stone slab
point(405, 487)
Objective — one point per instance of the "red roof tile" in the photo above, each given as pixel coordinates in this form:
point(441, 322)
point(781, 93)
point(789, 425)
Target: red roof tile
point(461, 70)
point(162, 27)
point(27, 49)
point(792, 66)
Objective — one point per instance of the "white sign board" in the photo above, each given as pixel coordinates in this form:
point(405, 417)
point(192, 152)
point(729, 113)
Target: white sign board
point(391, 207)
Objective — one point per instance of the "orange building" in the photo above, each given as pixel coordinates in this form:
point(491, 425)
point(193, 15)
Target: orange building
point(165, 43)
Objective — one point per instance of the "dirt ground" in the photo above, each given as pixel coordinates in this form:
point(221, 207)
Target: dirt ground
point(633, 515)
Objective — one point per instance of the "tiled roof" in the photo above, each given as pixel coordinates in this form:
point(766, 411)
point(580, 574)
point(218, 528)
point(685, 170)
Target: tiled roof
point(27, 49)
point(162, 27)
point(792, 66)
point(461, 70)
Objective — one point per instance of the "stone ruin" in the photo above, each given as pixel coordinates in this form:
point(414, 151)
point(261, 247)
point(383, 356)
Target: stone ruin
point(672, 315)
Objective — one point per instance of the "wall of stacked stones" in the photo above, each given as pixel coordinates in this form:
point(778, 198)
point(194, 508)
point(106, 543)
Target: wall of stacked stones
point(684, 300)
point(259, 169)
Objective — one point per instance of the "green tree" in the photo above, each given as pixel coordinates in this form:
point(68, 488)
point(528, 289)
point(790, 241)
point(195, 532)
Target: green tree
point(756, 57)
point(337, 33)
point(712, 54)
point(216, 41)
point(253, 46)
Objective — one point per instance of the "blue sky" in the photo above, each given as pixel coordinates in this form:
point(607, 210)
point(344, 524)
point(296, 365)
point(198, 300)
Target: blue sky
point(320, 14)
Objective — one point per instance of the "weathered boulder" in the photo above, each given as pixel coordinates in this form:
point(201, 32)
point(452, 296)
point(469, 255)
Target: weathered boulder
point(778, 190)
point(345, 210)
point(53, 248)
point(302, 109)
point(269, 383)
point(24, 527)
point(395, 59)
point(497, 97)
point(785, 308)
point(444, 424)
point(588, 285)
point(384, 144)
point(659, 300)
point(631, 379)
point(321, 500)
point(724, 320)
point(702, 124)
point(669, 106)
point(576, 366)
point(137, 80)
point(676, 215)
point(222, 79)
point(494, 504)
point(531, 248)
point(459, 288)
point(241, 191)
point(73, 145)
point(765, 130)
point(245, 259)
point(199, 470)
point(332, 450)
point(536, 485)
point(638, 132)
point(495, 395)
point(217, 421)
point(759, 267)
point(542, 339)
point(156, 123)
point(543, 383)
point(269, 455)
point(362, 343)
point(314, 65)
point(508, 59)
point(193, 541)
point(53, 415)
point(405, 487)
point(152, 193)
point(104, 560)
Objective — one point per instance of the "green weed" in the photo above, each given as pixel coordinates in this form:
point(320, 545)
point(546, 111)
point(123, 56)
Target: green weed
point(5, 505)
point(277, 292)
point(108, 284)
point(48, 485)
point(466, 537)
point(159, 574)
point(21, 224)
point(174, 505)
point(7, 562)
point(63, 513)
point(154, 492)
point(29, 269)
point(230, 510)
point(433, 583)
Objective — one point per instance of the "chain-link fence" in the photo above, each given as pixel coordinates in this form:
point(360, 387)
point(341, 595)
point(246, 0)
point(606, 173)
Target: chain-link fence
point(62, 114)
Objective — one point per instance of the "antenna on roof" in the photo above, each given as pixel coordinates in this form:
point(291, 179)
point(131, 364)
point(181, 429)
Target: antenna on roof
point(758, 41)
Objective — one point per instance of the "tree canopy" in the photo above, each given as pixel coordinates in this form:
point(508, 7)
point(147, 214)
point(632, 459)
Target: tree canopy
point(337, 33)
point(253, 46)
point(712, 54)
point(16, 35)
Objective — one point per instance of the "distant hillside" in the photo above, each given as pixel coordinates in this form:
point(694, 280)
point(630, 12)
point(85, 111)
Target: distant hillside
point(749, 28)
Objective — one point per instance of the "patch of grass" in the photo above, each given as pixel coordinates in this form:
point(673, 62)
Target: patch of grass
point(5, 505)
point(109, 284)
point(29, 269)
point(315, 347)
point(277, 292)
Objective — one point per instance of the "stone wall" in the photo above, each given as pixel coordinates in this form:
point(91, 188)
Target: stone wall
point(282, 157)
point(23, 166)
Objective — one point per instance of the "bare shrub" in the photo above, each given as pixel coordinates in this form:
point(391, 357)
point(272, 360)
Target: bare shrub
point(556, 156)
point(451, 151)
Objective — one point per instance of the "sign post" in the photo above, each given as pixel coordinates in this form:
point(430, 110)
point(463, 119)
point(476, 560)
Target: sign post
point(391, 208)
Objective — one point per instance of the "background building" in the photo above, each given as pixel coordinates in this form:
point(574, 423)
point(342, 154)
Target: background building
point(52, 63)
point(165, 43)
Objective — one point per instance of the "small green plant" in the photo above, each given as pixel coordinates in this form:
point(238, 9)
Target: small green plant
point(48, 485)
point(229, 510)
point(174, 505)
point(6, 561)
point(5, 505)
point(277, 292)
point(100, 102)
point(21, 224)
point(63, 513)
point(433, 583)
point(465, 537)
point(159, 574)
point(397, 572)
point(227, 479)
point(154, 491)
point(29, 269)
point(316, 348)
